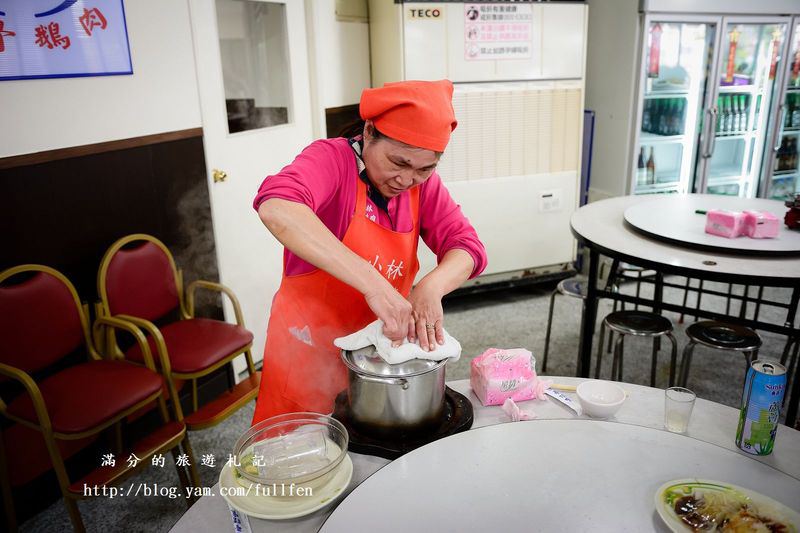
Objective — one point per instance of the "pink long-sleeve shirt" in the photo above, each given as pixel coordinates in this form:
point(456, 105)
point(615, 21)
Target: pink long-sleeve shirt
point(324, 177)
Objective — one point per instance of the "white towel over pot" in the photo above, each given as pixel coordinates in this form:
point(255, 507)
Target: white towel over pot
point(372, 335)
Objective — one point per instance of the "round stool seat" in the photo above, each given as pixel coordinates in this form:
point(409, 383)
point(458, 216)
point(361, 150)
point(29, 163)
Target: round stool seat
point(572, 287)
point(638, 323)
point(724, 336)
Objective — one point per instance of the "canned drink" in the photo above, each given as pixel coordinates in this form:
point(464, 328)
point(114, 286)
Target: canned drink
point(762, 397)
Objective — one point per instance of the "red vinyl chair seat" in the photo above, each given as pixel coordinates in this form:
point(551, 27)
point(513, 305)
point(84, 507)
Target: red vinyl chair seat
point(196, 344)
point(85, 396)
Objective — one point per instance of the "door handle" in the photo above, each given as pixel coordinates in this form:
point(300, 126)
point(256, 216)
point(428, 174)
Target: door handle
point(219, 175)
point(712, 132)
point(782, 117)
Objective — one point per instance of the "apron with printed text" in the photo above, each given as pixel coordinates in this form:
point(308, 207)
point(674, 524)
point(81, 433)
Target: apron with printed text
point(302, 368)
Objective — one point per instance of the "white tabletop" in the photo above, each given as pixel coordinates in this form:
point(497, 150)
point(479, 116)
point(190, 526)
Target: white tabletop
point(602, 225)
point(674, 218)
point(711, 423)
point(549, 475)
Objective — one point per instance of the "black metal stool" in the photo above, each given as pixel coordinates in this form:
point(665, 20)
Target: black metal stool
point(572, 287)
point(621, 271)
point(637, 324)
point(720, 336)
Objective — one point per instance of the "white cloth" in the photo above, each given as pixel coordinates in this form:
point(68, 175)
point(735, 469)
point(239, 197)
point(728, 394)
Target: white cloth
point(372, 335)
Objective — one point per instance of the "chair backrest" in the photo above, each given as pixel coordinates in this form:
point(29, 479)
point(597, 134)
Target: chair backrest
point(41, 319)
point(138, 277)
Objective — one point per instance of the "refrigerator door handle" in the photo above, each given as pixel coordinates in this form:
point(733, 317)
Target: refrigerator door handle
point(781, 118)
point(711, 140)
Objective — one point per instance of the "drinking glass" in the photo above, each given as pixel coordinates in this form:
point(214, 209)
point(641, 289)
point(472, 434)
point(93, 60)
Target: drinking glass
point(678, 409)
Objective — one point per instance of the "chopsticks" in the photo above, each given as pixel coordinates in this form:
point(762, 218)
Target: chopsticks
point(568, 388)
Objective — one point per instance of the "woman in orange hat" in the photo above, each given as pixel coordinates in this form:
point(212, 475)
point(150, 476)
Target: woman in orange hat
point(349, 212)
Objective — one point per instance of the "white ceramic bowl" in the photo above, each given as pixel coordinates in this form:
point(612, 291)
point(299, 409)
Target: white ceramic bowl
point(600, 399)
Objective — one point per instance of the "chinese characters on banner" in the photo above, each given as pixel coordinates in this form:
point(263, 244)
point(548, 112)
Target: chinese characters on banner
point(497, 31)
point(63, 38)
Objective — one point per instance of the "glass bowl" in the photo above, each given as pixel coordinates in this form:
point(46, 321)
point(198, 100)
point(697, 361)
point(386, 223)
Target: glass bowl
point(294, 448)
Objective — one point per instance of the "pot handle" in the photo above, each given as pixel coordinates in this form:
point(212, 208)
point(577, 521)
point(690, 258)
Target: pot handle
point(403, 382)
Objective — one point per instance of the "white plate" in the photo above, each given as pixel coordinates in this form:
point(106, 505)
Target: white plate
point(275, 508)
point(767, 505)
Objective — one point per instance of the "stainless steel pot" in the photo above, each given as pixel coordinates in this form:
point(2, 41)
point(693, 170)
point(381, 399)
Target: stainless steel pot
point(386, 398)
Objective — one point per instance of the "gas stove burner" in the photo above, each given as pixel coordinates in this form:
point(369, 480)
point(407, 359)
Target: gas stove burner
point(457, 417)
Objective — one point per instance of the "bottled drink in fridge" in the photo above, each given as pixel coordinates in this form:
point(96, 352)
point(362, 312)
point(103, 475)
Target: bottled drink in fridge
point(651, 169)
point(662, 118)
point(681, 117)
point(796, 112)
point(787, 156)
point(727, 126)
point(641, 169)
point(743, 105)
point(736, 116)
point(719, 116)
point(646, 116)
point(780, 156)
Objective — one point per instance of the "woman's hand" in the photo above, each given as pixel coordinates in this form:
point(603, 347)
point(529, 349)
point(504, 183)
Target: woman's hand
point(428, 316)
point(426, 298)
point(394, 310)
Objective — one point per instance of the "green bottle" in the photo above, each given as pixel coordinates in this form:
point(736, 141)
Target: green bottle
point(736, 116)
point(745, 110)
point(727, 116)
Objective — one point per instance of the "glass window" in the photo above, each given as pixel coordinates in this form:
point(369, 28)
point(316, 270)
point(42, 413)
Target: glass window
point(254, 50)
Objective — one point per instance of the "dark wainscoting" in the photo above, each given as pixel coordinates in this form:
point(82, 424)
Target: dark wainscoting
point(65, 213)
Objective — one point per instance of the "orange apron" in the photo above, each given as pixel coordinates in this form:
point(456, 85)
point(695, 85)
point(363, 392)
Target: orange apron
point(302, 367)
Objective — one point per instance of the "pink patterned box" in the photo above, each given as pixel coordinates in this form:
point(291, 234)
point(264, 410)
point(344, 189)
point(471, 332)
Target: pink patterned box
point(761, 225)
point(496, 375)
point(728, 224)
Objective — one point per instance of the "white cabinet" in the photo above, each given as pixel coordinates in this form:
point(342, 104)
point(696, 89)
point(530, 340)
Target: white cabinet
point(535, 42)
point(513, 162)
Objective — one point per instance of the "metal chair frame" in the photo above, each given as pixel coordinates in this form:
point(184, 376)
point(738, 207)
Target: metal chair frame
point(45, 426)
point(187, 311)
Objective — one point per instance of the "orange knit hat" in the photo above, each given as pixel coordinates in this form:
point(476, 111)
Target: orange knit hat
point(419, 113)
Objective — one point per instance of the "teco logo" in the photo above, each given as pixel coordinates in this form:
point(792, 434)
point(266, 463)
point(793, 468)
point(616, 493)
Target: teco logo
point(425, 13)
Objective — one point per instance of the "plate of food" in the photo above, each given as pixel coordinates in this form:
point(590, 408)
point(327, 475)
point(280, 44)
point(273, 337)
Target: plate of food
point(706, 505)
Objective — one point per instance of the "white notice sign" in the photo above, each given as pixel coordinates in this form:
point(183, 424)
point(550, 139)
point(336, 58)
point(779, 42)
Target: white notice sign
point(497, 31)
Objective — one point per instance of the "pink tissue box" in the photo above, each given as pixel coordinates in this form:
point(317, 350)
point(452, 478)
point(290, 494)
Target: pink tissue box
point(496, 375)
point(761, 225)
point(728, 224)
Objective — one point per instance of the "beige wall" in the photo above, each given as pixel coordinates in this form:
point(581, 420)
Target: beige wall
point(160, 96)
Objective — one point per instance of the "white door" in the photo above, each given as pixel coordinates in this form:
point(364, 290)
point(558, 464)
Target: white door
point(252, 71)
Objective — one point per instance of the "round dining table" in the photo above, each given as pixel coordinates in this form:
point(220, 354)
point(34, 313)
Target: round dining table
point(665, 234)
point(557, 471)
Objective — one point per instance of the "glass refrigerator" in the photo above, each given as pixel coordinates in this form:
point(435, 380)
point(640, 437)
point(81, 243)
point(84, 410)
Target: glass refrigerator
point(709, 91)
point(781, 169)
